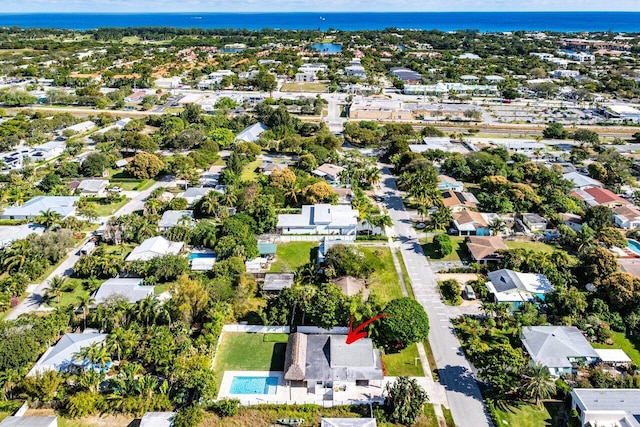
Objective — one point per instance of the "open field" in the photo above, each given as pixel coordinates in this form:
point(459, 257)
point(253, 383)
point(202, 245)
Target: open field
point(250, 171)
point(384, 280)
point(529, 415)
point(403, 363)
point(290, 256)
point(530, 246)
point(235, 348)
point(304, 87)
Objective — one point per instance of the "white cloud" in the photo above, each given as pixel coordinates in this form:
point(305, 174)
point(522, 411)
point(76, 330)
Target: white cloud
point(311, 5)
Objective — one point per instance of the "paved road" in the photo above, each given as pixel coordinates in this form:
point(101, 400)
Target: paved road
point(33, 301)
point(463, 394)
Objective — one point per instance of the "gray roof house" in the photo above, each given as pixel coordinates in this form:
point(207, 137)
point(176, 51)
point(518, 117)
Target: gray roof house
point(276, 282)
point(29, 422)
point(581, 181)
point(157, 419)
point(131, 290)
point(193, 194)
point(320, 219)
point(327, 361)
point(172, 218)
point(64, 205)
point(607, 406)
point(559, 348)
point(154, 247)
point(9, 233)
point(348, 422)
point(515, 288)
point(328, 171)
point(61, 356)
point(252, 133)
point(93, 187)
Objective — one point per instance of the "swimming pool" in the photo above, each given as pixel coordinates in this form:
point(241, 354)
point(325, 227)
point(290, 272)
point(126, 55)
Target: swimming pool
point(201, 255)
point(254, 385)
point(634, 246)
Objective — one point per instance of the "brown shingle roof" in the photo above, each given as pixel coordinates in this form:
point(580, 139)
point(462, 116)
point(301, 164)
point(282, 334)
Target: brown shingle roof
point(350, 285)
point(295, 360)
point(483, 247)
point(466, 217)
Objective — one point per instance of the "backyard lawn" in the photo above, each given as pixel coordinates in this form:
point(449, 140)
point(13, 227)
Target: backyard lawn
point(250, 171)
point(111, 208)
point(290, 256)
point(384, 281)
point(530, 246)
point(403, 363)
point(73, 289)
point(459, 249)
point(251, 352)
point(629, 346)
point(529, 415)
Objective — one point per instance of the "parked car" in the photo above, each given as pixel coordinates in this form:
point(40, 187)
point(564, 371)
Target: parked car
point(468, 293)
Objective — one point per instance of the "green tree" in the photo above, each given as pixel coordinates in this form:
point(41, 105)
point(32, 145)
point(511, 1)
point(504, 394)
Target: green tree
point(404, 401)
point(497, 227)
point(405, 324)
point(190, 416)
point(265, 81)
point(451, 291)
point(145, 166)
point(538, 384)
point(442, 244)
point(555, 131)
point(48, 218)
point(586, 136)
point(94, 164)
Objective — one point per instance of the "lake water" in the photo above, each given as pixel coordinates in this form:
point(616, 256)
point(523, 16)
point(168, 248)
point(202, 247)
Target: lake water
point(327, 47)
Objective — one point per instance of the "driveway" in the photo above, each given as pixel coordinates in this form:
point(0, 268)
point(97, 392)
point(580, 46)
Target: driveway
point(463, 394)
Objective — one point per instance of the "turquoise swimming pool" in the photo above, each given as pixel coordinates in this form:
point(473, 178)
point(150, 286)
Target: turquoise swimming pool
point(254, 385)
point(201, 255)
point(634, 246)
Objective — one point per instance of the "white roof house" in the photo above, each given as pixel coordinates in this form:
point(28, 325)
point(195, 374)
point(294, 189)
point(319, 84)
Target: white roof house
point(9, 233)
point(172, 218)
point(194, 194)
point(131, 290)
point(559, 348)
point(36, 421)
point(515, 288)
point(62, 355)
point(64, 205)
point(93, 186)
point(252, 133)
point(157, 419)
point(581, 181)
point(320, 219)
point(328, 171)
point(48, 150)
point(611, 407)
point(154, 247)
point(85, 126)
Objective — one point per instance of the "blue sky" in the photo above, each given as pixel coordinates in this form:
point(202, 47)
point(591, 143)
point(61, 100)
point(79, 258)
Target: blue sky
point(13, 6)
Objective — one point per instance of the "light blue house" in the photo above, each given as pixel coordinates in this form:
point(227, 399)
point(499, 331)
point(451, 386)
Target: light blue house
point(446, 183)
point(515, 288)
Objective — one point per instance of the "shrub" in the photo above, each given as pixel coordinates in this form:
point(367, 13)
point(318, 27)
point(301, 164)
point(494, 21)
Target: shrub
point(451, 292)
point(442, 244)
point(227, 407)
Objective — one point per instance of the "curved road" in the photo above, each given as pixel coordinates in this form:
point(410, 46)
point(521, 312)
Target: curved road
point(463, 394)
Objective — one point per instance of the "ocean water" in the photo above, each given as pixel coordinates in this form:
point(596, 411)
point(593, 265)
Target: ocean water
point(445, 21)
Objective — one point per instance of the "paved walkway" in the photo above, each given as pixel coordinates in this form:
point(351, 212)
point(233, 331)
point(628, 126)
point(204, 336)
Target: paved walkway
point(454, 371)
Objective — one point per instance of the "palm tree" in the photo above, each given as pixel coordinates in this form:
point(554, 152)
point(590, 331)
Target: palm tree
point(538, 384)
point(585, 239)
point(17, 254)
point(440, 219)
point(48, 218)
point(56, 288)
point(209, 203)
point(497, 227)
point(121, 342)
point(83, 302)
point(153, 206)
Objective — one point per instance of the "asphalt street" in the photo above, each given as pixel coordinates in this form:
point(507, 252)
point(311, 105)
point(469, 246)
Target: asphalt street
point(454, 371)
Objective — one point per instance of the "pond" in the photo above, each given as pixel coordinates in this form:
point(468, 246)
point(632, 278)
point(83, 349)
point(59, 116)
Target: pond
point(327, 47)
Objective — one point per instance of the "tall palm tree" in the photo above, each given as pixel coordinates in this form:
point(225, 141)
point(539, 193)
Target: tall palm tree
point(48, 218)
point(84, 301)
point(440, 219)
point(17, 254)
point(497, 227)
point(537, 383)
point(56, 288)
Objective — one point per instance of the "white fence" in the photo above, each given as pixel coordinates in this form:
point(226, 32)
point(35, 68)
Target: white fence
point(256, 329)
point(312, 238)
point(338, 330)
point(323, 403)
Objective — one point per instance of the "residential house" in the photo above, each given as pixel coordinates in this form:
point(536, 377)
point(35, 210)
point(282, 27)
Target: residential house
point(9, 233)
point(348, 422)
point(131, 290)
point(458, 201)
point(613, 358)
point(534, 222)
point(252, 133)
point(345, 195)
point(528, 148)
point(136, 96)
point(168, 82)
point(63, 355)
point(93, 187)
point(157, 419)
point(36, 421)
point(484, 249)
point(276, 282)
point(172, 218)
point(355, 71)
point(326, 364)
point(154, 247)
point(351, 286)
point(446, 183)
point(81, 127)
point(569, 74)
point(48, 150)
point(329, 172)
point(606, 407)
point(320, 219)
point(596, 196)
point(267, 167)
point(572, 221)
point(471, 223)
point(406, 75)
point(581, 181)
point(514, 288)
point(257, 266)
point(305, 77)
point(626, 217)
point(193, 194)
point(64, 205)
point(202, 260)
point(559, 348)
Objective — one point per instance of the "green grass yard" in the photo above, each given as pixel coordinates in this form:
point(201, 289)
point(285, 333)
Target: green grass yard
point(631, 346)
point(530, 246)
point(250, 171)
point(384, 281)
point(304, 87)
point(529, 415)
point(459, 249)
point(403, 363)
point(290, 256)
point(111, 208)
point(250, 352)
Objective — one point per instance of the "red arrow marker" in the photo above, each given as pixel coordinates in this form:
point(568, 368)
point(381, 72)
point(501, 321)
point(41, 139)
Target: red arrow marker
point(355, 335)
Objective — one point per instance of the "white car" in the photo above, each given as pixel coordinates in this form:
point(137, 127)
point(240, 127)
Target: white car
point(115, 189)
